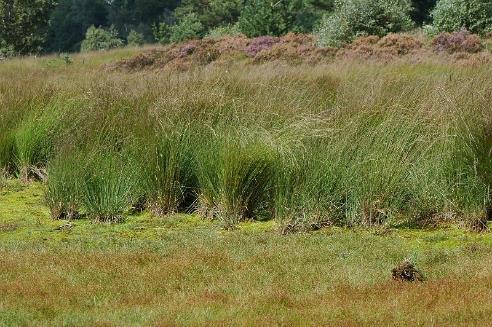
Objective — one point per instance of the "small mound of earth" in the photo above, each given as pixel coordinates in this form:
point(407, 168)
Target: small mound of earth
point(407, 272)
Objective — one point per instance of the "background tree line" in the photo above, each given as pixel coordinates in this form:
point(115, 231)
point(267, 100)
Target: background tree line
point(32, 26)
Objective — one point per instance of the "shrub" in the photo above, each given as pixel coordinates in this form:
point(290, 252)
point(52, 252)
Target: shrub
point(269, 17)
point(260, 43)
point(188, 28)
point(100, 39)
point(221, 31)
point(259, 17)
point(454, 15)
point(6, 51)
point(462, 41)
point(162, 33)
point(385, 48)
point(353, 18)
point(135, 39)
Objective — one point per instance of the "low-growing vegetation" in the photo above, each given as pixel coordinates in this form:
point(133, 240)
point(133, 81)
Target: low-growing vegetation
point(345, 143)
point(184, 270)
point(263, 163)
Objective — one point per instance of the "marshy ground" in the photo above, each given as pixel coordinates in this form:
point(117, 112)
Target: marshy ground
point(184, 270)
point(363, 159)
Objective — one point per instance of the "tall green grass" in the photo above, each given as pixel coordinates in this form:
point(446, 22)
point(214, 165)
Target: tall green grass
point(234, 169)
point(166, 179)
point(107, 185)
point(63, 189)
point(349, 144)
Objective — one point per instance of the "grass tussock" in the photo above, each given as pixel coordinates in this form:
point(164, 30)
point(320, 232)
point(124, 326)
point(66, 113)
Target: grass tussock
point(311, 146)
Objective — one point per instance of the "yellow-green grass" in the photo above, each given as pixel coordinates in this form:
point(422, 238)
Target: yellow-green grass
point(186, 270)
point(381, 145)
point(350, 143)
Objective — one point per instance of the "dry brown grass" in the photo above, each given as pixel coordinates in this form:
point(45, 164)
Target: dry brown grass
point(204, 287)
point(183, 270)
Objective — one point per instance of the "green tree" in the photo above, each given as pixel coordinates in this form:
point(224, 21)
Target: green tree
point(23, 24)
point(211, 13)
point(364, 17)
point(264, 17)
point(100, 39)
point(70, 20)
point(139, 15)
point(189, 27)
point(274, 17)
point(162, 33)
point(421, 10)
point(453, 15)
point(135, 39)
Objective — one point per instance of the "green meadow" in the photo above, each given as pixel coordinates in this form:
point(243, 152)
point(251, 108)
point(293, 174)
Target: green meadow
point(244, 194)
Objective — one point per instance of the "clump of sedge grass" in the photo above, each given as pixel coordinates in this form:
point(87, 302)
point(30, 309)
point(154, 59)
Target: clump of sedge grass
point(167, 177)
point(35, 138)
point(234, 172)
point(62, 191)
point(107, 184)
point(3, 178)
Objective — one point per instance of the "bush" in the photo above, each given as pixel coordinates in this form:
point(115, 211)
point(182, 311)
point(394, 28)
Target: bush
point(188, 28)
point(260, 43)
point(462, 41)
point(454, 15)
point(221, 31)
point(162, 33)
point(353, 18)
point(135, 39)
point(260, 17)
point(6, 50)
point(100, 39)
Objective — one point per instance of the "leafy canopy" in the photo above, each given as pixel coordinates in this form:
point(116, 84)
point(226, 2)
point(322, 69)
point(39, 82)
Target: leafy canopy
point(23, 24)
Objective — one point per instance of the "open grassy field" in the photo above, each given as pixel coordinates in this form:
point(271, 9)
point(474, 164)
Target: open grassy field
point(183, 270)
point(244, 193)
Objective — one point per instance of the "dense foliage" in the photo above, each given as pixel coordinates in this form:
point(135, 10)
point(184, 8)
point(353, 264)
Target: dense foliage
point(101, 39)
point(135, 38)
point(62, 25)
point(473, 15)
point(23, 25)
point(353, 18)
point(70, 21)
